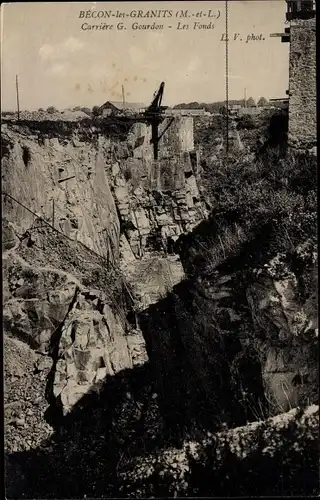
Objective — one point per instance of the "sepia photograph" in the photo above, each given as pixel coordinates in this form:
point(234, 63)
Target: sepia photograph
point(159, 249)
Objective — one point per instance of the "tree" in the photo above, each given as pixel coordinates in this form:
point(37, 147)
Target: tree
point(51, 110)
point(193, 105)
point(251, 102)
point(96, 111)
point(262, 102)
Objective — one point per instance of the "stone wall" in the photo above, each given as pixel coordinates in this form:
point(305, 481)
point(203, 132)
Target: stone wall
point(302, 84)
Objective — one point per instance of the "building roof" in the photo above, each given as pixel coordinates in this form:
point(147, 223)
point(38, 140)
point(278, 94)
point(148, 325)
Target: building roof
point(119, 105)
point(279, 99)
point(185, 110)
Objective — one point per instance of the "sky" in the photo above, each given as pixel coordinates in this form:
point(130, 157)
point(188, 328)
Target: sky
point(60, 64)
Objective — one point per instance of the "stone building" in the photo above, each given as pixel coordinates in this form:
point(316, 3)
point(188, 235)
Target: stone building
point(116, 107)
point(301, 14)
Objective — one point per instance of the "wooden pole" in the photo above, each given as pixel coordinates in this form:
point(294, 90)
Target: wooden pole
point(53, 213)
point(245, 98)
point(17, 89)
point(123, 100)
point(227, 78)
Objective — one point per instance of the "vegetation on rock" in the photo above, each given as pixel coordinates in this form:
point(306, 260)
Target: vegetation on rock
point(266, 457)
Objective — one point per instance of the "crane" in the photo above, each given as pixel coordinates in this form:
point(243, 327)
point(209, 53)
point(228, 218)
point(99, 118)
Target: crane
point(154, 114)
point(157, 99)
point(155, 107)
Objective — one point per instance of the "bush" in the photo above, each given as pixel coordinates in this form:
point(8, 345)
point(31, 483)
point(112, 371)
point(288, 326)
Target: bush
point(271, 457)
point(246, 122)
point(270, 195)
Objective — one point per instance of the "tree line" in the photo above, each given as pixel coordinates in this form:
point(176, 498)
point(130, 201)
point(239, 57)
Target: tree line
point(217, 107)
point(214, 107)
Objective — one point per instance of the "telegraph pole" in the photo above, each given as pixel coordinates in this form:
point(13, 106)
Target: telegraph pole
point(245, 98)
point(227, 79)
point(123, 100)
point(17, 90)
point(53, 214)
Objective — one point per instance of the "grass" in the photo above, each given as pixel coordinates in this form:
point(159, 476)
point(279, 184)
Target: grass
point(270, 188)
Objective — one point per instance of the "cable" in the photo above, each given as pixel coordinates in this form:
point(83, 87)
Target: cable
point(55, 229)
point(109, 263)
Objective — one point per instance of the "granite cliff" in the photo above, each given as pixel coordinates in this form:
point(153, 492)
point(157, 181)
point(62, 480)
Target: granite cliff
point(82, 194)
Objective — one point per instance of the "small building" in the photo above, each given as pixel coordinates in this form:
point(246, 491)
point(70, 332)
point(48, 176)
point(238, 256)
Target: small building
point(251, 111)
point(185, 112)
point(116, 107)
point(234, 107)
point(280, 102)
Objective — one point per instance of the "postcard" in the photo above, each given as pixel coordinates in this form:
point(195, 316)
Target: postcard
point(159, 249)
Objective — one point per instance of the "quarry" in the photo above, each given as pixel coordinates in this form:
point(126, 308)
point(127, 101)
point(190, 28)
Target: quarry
point(99, 284)
point(160, 323)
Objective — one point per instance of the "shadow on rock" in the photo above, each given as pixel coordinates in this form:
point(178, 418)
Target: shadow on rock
point(116, 421)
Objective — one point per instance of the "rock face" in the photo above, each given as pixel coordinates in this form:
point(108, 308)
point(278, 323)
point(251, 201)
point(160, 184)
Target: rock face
point(242, 350)
point(39, 302)
point(93, 345)
point(106, 192)
point(155, 199)
point(71, 190)
point(90, 186)
point(62, 312)
point(284, 309)
point(158, 199)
